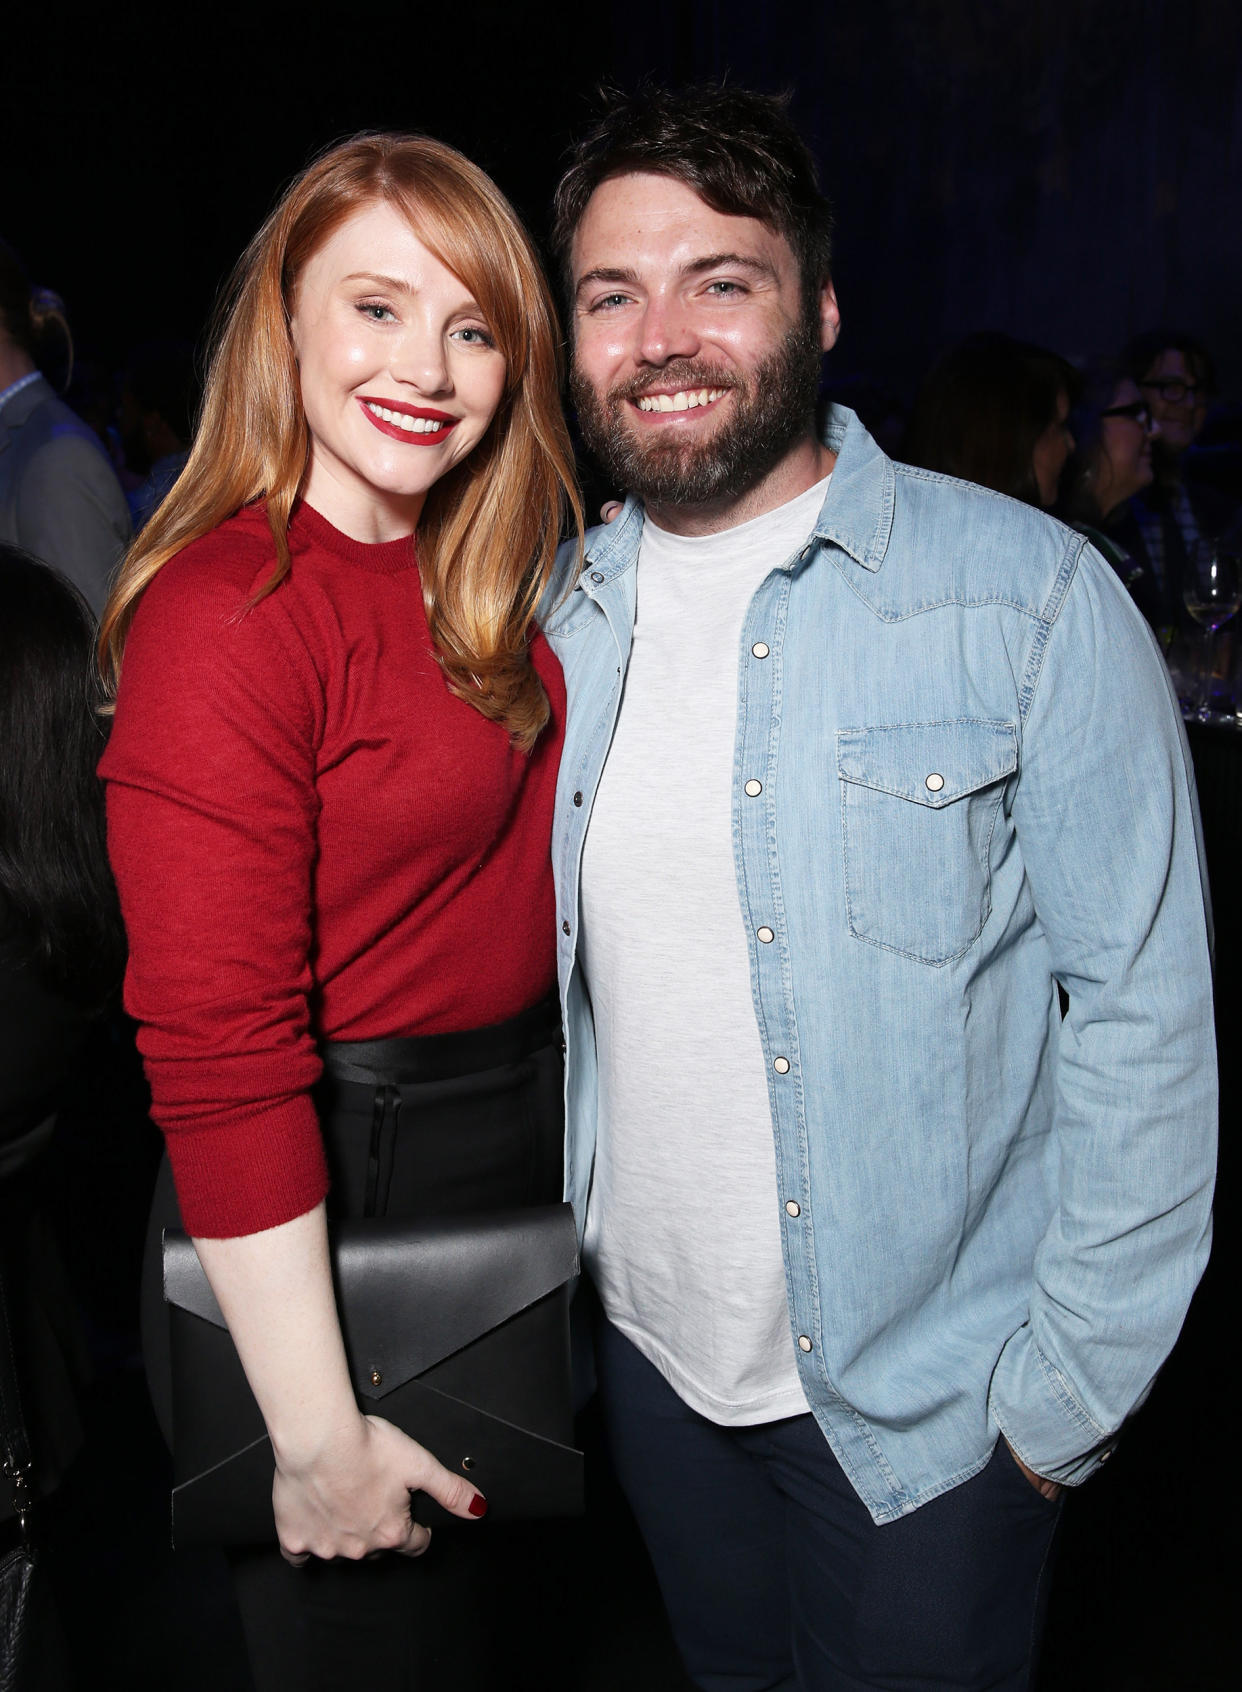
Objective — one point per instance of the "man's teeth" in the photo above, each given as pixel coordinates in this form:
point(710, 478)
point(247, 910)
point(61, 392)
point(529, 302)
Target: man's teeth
point(684, 400)
point(403, 420)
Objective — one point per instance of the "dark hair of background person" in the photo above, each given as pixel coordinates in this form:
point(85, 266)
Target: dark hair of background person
point(1138, 356)
point(736, 149)
point(34, 320)
point(983, 407)
point(58, 906)
point(1097, 385)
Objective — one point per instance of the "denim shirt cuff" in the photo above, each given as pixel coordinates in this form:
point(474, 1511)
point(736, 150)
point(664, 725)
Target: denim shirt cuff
point(1044, 1424)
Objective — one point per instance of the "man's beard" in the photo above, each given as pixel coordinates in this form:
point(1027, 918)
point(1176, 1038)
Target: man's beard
point(770, 410)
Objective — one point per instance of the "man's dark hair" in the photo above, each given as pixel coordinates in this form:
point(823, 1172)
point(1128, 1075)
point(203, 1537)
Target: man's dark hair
point(738, 150)
point(34, 320)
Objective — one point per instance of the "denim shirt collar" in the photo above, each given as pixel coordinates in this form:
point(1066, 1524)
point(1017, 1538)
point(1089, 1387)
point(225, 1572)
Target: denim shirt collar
point(857, 513)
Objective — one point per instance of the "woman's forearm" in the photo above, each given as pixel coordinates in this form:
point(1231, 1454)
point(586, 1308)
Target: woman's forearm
point(275, 1291)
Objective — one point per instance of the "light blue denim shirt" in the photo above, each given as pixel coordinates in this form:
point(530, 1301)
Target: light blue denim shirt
point(959, 778)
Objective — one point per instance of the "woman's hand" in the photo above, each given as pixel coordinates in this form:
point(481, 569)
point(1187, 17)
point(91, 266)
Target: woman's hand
point(343, 1480)
point(353, 1499)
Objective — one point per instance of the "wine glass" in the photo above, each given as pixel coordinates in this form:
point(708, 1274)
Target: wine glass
point(1212, 593)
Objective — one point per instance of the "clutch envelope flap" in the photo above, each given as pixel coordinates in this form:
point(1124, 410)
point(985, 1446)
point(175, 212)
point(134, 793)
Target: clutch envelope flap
point(430, 1289)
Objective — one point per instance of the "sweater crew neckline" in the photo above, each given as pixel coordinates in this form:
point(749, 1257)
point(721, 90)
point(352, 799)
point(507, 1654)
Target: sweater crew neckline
point(384, 558)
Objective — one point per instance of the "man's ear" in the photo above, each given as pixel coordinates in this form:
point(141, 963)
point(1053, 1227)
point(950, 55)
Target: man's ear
point(829, 317)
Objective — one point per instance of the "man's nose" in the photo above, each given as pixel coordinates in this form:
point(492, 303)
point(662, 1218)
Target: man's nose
point(668, 332)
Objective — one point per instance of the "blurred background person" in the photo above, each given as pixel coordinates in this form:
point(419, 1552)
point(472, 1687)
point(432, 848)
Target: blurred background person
point(61, 957)
point(995, 411)
point(59, 496)
point(1114, 433)
point(158, 401)
point(1176, 375)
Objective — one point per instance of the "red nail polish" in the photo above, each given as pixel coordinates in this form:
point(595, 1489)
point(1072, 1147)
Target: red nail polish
point(478, 1505)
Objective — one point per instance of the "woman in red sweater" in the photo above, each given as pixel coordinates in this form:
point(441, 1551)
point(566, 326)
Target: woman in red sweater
point(330, 789)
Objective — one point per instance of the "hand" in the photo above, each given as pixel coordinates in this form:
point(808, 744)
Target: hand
point(352, 1499)
point(1051, 1490)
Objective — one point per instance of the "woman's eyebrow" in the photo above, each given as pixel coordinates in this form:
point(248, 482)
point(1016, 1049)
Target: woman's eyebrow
point(396, 285)
point(394, 282)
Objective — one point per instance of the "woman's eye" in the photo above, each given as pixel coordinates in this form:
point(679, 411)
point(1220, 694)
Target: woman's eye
point(473, 336)
point(377, 311)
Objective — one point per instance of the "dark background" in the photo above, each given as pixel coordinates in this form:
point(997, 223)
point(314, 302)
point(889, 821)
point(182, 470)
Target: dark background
point(1066, 170)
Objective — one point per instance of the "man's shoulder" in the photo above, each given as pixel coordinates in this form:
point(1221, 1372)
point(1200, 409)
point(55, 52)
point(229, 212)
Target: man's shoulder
point(51, 423)
point(607, 549)
point(970, 545)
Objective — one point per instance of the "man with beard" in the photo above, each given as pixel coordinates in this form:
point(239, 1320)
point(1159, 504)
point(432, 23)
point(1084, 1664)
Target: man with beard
point(862, 765)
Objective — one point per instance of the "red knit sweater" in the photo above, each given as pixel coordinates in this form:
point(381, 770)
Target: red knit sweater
point(312, 839)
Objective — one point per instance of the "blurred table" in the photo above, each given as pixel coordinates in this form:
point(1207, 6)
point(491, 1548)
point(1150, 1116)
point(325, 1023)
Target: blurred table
point(1217, 752)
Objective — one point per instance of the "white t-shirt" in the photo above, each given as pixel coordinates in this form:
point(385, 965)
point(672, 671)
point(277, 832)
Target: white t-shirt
point(683, 1234)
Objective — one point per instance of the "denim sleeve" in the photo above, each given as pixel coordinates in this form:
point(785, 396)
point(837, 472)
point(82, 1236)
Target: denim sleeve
point(1107, 823)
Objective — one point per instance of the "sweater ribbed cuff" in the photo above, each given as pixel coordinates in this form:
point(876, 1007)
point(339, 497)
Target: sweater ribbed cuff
point(252, 1174)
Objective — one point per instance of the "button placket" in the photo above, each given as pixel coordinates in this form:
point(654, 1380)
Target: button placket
point(760, 679)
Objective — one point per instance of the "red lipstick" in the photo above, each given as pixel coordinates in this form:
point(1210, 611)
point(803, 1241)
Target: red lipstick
point(412, 437)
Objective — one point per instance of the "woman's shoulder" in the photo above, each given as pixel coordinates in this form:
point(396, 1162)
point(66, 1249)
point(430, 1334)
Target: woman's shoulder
point(227, 564)
point(203, 615)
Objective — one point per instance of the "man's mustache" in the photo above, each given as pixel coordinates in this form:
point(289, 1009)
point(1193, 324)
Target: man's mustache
point(686, 373)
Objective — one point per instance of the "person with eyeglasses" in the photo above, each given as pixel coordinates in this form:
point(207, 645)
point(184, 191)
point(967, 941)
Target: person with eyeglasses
point(1114, 433)
point(1176, 376)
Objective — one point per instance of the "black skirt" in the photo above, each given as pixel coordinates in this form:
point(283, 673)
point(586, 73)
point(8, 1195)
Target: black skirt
point(413, 1128)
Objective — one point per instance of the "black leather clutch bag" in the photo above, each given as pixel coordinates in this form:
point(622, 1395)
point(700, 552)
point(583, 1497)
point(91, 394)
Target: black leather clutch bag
point(456, 1330)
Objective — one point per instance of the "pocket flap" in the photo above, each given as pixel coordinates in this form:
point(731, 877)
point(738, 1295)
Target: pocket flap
point(929, 763)
point(410, 1295)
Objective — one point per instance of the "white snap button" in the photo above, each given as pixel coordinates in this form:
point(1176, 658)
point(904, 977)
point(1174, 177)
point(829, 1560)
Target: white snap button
point(753, 789)
point(766, 935)
point(781, 1065)
point(792, 1207)
point(760, 649)
point(804, 1343)
point(934, 783)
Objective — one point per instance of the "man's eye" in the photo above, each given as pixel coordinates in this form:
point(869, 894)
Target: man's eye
point(608, 302)
point(723, 290)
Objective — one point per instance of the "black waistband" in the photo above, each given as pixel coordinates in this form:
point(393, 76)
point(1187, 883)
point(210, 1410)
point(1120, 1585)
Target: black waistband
point(441, 1057)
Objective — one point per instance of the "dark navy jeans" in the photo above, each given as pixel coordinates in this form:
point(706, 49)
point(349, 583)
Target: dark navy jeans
point(775, 1576)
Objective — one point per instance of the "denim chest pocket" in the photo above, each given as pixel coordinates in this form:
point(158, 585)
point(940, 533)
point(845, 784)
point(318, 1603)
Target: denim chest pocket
point(919, 802)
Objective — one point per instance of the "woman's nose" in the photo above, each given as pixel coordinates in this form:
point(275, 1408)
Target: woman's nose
point(421, 360)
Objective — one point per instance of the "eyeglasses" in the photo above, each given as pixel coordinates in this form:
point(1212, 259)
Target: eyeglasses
point(1173, 391)
point(1137, 411)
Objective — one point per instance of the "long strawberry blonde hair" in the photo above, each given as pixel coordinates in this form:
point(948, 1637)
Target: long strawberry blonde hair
point(489, 529)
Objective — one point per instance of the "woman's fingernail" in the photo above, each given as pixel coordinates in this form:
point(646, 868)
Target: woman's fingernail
point(478, 1505)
